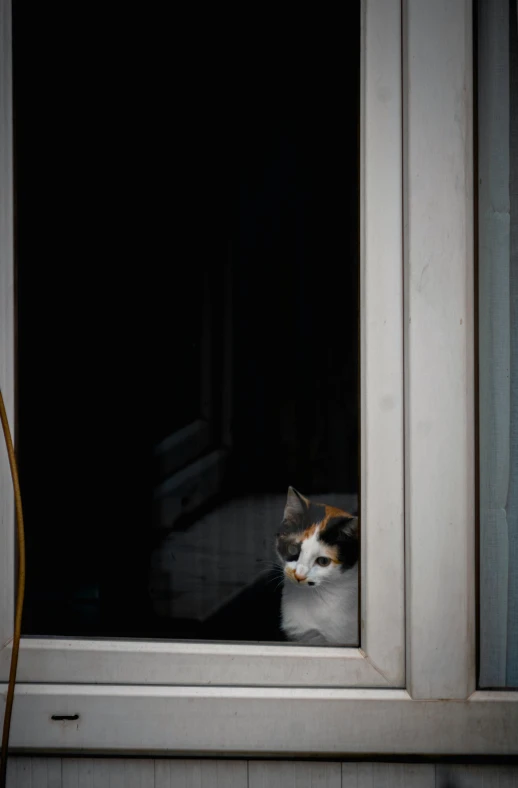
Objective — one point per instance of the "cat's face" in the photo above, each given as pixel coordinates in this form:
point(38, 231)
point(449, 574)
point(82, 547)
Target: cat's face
point(316, 543)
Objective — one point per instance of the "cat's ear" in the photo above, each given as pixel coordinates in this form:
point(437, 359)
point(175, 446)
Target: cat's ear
point(340, 528)
point(350, 527)
point(296, 506)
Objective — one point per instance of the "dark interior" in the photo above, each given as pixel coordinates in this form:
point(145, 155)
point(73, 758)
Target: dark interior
point(187, 208)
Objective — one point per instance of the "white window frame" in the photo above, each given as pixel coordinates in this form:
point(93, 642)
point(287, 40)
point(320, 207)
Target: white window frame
point(417, 502)
point(380, 661)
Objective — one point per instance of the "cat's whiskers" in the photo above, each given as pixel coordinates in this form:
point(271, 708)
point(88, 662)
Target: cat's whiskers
point(269, 563)
point(279, 584)
point(279, 576)
point(276, 573)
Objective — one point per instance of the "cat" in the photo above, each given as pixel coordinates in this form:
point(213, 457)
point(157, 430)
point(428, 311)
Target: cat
point(318, 547)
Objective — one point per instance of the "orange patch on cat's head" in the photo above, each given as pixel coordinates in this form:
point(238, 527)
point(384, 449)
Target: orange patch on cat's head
point(330, 513)
point(309, 531)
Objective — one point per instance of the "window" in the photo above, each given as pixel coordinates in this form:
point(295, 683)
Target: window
point(417, 640)
point(497, 205)
point(209, 433)
point(243, 322)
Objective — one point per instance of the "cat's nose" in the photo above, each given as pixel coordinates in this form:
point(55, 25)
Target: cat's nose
point(299, 576)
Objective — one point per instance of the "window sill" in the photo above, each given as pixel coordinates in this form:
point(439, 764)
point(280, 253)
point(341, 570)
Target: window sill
point(260, 721)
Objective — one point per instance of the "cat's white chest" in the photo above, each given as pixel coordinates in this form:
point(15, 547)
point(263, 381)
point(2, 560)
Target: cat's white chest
point(325, 614)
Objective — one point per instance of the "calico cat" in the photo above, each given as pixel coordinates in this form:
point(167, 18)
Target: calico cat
point(318, 547)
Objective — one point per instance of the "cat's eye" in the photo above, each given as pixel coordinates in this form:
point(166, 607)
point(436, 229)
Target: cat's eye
point(293, 549)
point(323, 561)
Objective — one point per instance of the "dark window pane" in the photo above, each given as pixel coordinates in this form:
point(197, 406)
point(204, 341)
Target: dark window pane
point(187, 266)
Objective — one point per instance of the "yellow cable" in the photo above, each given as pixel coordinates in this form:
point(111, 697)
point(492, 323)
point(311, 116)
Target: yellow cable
point(19, 594)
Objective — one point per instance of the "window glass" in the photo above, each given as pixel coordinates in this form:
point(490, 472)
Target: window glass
point(187, 211)
point(498, 341)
